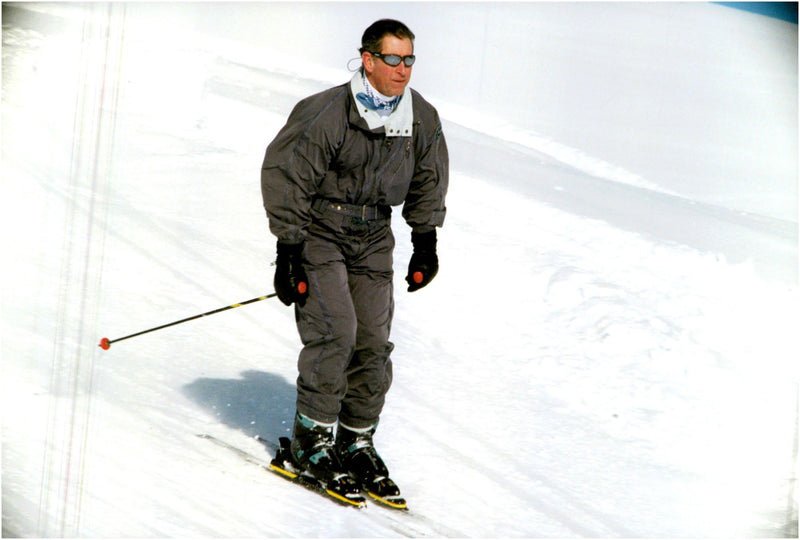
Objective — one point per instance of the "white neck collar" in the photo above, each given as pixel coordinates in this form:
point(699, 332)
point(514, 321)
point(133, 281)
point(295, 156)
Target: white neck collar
point(398, 124)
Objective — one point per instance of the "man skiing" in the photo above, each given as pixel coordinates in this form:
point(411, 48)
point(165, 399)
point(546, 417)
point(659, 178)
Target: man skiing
point(329, 180)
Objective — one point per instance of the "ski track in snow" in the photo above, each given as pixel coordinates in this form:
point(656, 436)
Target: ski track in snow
point(595, 358)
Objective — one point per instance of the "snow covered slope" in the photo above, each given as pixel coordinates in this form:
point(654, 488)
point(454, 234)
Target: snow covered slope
point(609, 348)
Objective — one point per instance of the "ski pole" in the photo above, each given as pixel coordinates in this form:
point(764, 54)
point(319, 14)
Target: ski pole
point(105, 343)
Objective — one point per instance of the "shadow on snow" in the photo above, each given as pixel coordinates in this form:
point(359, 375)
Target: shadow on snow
point(258, 403)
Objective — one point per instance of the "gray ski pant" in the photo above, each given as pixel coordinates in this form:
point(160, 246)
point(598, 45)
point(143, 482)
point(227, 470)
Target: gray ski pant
point(344, 367)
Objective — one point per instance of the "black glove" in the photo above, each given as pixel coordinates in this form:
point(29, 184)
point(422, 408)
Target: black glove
point(424, 263)
point(291, 282)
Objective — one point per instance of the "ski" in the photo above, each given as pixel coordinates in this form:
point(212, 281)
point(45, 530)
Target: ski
point(343, 491)
point(284, 469)
point(386, 493)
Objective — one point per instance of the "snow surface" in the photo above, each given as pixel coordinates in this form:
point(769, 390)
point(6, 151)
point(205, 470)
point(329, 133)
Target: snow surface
point(609, 349)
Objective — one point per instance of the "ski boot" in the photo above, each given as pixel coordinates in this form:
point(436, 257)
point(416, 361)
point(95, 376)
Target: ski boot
point(357, 454)
point(314, 460)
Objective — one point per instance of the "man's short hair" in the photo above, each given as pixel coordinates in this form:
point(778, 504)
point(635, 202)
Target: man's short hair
point(372, 40)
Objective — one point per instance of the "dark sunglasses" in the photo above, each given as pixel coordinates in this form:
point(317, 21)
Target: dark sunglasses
point(394, 59)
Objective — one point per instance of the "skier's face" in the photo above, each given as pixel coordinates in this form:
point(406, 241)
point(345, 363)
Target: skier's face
point(389, 80)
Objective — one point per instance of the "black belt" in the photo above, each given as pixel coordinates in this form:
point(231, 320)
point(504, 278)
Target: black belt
point(361, 211)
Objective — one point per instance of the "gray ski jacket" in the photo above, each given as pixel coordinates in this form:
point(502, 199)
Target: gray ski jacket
point(327, 150)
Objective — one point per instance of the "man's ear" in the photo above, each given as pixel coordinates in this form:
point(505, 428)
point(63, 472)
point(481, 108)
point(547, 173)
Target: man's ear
point(368, 61)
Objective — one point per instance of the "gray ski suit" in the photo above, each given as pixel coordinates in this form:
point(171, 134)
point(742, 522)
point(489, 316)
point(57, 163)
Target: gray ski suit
point(329, 180)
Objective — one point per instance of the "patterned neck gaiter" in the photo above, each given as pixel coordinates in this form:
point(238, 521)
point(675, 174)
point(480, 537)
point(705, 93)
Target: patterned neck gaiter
point(375, 101)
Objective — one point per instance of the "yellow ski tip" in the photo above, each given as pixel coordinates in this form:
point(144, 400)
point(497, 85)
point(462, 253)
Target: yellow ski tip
point(357, 503)
point(400, 504)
